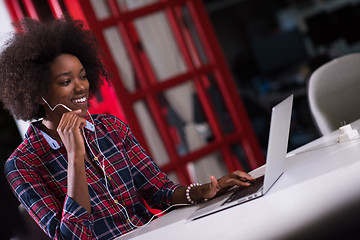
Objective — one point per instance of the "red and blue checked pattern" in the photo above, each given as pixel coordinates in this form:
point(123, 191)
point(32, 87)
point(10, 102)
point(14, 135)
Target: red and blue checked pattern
point(37, 174)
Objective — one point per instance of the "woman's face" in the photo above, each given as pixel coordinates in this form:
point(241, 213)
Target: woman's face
point(68, 86)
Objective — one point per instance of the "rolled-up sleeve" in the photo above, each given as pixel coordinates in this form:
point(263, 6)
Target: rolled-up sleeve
point(59, 220)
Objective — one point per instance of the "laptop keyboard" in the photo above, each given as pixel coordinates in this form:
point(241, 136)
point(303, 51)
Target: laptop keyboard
point(243, 192)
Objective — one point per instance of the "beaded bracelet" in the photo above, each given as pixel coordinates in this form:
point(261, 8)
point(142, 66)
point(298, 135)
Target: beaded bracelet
point(188, 192)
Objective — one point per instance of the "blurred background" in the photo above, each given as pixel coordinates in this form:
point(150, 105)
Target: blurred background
point(196, 80)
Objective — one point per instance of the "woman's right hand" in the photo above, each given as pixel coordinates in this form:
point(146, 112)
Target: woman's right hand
point(70, 131)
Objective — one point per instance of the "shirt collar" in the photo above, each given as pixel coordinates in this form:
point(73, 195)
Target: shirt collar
point(55, 145)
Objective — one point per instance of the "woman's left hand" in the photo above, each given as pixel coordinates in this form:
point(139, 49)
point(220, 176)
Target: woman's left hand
point(216, 186)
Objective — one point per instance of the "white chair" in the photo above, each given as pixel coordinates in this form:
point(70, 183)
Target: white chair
point(334, 92)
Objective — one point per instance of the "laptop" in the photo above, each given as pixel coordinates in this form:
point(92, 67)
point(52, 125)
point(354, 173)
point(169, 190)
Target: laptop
point(274, 168)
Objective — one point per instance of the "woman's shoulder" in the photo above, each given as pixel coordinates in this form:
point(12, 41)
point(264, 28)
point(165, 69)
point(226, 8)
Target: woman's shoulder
point(110, 122)
point(20, 157)
point(107, 119)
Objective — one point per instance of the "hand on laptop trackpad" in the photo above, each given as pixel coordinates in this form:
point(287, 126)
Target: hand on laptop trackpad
point(245, 191)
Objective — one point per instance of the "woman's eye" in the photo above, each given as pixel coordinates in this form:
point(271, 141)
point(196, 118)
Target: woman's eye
point(83, 77)
point(66, 82)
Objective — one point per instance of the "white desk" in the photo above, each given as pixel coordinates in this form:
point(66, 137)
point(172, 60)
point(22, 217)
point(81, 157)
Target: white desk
point(316, 197)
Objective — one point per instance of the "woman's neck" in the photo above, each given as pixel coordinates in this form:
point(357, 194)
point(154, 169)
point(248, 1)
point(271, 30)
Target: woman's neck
point(49, 127)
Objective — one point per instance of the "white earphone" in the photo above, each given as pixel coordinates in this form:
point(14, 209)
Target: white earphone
point(52, 109)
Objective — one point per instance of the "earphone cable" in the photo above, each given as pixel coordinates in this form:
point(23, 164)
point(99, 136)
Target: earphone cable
point(106, 182)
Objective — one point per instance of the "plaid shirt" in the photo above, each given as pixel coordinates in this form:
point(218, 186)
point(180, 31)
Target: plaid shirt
point(37, 173)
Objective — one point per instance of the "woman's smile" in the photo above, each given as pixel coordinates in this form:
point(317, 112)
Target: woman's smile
point(79, 100)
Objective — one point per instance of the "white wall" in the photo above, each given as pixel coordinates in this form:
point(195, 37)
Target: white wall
point(5, 20)
point(6, 29)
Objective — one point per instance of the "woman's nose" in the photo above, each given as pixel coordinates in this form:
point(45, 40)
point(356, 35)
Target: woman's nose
point(80, 85)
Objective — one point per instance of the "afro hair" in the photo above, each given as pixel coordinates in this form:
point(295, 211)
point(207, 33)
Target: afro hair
point(27, 55)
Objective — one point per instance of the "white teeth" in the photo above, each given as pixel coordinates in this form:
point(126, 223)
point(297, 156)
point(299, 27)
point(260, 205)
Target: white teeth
point(80, 100)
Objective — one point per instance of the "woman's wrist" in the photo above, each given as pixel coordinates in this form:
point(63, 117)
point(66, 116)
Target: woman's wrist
point(195, 193)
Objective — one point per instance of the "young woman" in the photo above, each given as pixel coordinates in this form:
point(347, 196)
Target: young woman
point(79, 176)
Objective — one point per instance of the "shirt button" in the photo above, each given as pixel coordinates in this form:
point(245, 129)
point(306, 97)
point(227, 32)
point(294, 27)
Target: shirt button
point(110, 178)
point(116, 201)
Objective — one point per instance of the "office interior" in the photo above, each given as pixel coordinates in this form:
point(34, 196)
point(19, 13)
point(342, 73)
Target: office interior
point(271, 48)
